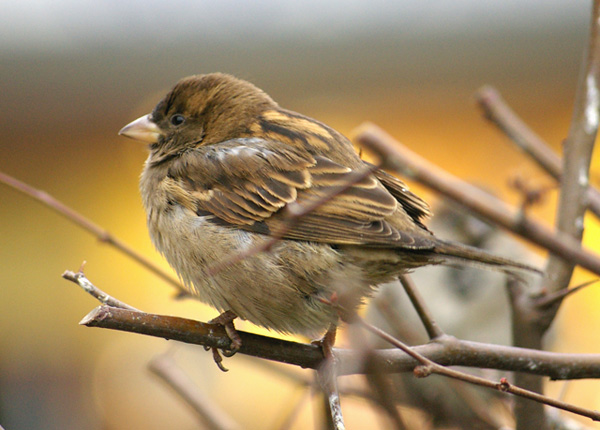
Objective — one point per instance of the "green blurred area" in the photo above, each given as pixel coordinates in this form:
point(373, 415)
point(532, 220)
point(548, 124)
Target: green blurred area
point(60, 114)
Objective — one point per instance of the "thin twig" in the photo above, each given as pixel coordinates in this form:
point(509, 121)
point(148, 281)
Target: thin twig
point(381, 385)
point(80, 279)
point(497, 111)
point(395, 319)
point(212, 416)
point(432, 328)
point(327, 381)
point(557, 297)
point(476, 200)
point(101, 234)
point(428, 366)
point(500, 114)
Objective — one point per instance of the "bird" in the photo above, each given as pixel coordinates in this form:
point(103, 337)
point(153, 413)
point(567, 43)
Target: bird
point(227, 169)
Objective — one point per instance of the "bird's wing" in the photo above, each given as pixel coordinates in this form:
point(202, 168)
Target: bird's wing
point(414, 205)
point(256, 185)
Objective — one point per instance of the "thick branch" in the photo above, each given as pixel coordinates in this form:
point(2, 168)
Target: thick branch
point(572, 204)
point(577, 157)
point(445, 351)
point(403, 160)
point(428, 367)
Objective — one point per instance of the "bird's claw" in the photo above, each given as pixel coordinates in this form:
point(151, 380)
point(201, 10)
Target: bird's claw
point(226, 320)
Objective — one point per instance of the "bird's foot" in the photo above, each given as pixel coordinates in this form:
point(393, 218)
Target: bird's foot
point(327, 341)
point(226, 320)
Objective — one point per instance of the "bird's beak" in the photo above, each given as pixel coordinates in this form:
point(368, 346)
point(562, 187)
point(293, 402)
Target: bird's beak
point(143, 129)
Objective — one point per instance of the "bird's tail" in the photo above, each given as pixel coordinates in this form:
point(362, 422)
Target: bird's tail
point(463, 254)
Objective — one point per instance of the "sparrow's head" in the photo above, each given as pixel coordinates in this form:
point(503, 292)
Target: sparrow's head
point(200, 110)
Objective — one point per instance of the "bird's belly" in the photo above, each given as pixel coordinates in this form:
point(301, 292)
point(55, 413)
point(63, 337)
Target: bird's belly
point(282, 289)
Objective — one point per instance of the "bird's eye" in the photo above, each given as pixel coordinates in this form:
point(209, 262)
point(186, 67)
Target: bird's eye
point(177, 119)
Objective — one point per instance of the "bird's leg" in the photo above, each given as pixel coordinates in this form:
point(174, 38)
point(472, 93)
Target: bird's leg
point(327, 380)
point(226, 320)
point(327, 341)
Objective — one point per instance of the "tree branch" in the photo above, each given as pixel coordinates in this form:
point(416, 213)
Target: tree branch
point(501, 115)
point(446, 351)
point(578, 149)
point(428, 367)
point(101, 234)
point(327, 381)
point(431, 327)
point(486, 206)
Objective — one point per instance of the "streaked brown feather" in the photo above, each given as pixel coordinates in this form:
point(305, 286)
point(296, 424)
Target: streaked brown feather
point(248, 188)
point(414, 205)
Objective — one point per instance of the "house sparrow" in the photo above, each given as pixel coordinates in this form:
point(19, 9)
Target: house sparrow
point(227, 165)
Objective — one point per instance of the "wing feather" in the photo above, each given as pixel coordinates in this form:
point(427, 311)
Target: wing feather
point(247, 183)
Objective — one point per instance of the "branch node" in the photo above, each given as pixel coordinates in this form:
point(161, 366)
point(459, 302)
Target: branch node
point(503, 385)
point(551, 299)
point(96, 315)
point(423, 371)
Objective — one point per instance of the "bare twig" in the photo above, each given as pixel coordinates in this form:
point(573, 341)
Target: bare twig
point(578, 149)
point(476, 200)
point(432, 328)
point(428, 366)
point(442, 350)
point(80, 279)
point(382, 387)
point(572, 204)
point(212, 416)
point(446, 351)
point(555, 298)
point(529, 322)
point(500, 114)
point(327, 381)
point(395, 319)
point(198, 333)
point(101, 234)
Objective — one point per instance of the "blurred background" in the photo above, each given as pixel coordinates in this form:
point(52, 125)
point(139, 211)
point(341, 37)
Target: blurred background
point(74, 72)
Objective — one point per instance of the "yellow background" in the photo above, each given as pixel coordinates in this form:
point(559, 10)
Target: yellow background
point(61, 109)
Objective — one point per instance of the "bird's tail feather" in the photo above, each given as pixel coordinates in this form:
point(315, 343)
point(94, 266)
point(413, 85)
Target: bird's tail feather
point(464, 254)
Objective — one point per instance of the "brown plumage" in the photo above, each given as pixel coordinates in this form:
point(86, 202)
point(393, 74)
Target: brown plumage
point(226, 162)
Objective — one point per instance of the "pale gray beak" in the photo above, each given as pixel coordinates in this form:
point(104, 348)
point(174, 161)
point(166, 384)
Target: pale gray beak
point(142, 129)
